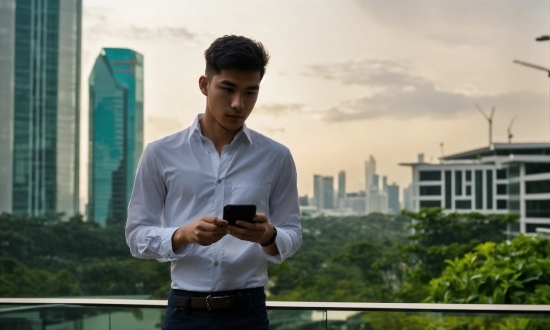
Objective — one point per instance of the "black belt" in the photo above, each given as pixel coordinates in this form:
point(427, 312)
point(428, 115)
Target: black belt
point(207, 302)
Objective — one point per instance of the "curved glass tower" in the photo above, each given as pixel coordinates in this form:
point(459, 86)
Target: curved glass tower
point(116, 132)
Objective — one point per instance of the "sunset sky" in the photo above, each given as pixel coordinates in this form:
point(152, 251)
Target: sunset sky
point(347, 78)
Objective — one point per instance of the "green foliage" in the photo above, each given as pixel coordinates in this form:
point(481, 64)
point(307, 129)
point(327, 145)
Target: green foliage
point(45, 257)
point(511, 272)
point(16, 280)
point(439, 236)
point(343, 259)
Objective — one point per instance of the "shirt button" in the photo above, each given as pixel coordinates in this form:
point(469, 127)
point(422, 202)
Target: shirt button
point(219, 180)
point(216, 263)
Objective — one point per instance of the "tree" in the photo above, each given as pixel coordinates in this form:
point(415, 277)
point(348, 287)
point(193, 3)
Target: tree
point(511, 272)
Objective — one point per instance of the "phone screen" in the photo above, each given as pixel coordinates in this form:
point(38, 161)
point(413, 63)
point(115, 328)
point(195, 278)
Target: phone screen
point(234, 212)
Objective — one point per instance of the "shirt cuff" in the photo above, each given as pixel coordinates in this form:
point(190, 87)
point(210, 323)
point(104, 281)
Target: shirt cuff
point(165, 249)
point(281, 246)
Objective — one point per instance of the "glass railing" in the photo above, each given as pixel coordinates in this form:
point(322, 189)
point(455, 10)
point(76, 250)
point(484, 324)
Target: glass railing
point(122, 314)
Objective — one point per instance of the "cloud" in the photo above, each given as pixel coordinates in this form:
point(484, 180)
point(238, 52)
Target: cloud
point(99, 24)
point(274, 130)
point(399, 93)
point(142, 33)
point(429, 102)
point(455, 22)
point(280, 109)
point(369, 72)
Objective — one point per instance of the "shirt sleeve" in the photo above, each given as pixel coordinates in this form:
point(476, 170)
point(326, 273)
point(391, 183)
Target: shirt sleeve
point(145, 233)
point(285, 212)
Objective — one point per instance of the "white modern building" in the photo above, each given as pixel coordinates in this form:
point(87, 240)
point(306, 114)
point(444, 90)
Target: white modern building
point(499, 179)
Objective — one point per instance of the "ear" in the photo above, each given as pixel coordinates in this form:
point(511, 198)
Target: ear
point(203, 85)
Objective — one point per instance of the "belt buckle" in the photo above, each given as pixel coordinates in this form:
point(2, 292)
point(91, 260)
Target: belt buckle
point(208, 302)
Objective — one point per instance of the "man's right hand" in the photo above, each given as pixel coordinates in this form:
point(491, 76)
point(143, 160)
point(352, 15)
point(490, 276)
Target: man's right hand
point(203, 231)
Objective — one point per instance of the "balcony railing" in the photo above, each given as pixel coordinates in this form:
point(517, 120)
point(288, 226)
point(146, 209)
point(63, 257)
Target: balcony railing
point(115, 314)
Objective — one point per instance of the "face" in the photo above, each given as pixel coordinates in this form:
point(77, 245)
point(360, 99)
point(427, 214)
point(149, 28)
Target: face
point(230, 96)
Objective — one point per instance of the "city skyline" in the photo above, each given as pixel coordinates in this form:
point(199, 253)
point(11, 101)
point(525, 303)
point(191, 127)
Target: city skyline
point(377, 195)
point(392, 78)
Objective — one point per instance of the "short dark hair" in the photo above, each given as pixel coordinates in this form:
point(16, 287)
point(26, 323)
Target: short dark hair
point(235, 52)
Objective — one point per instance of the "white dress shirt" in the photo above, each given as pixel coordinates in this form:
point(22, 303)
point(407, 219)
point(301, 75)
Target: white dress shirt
point(181, 178)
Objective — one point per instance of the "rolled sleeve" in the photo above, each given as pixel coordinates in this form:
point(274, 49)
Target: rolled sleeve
point(285, 212)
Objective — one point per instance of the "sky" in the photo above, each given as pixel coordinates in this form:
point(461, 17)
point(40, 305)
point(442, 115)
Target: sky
point(347, 79)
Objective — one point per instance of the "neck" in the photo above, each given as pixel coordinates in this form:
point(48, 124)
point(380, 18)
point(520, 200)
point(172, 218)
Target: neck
point(212, 129)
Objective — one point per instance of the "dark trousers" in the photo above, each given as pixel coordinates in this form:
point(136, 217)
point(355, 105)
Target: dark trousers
point(249, 313)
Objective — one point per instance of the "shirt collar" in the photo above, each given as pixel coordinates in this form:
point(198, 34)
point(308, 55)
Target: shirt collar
point(196, 127)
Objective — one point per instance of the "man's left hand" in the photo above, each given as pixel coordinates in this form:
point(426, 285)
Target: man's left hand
point(259, 232)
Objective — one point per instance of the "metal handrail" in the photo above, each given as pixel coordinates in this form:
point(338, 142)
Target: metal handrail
point(281, 305)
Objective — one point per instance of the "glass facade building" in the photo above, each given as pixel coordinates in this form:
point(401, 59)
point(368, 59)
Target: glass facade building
point(39, 106)
point(116, 132)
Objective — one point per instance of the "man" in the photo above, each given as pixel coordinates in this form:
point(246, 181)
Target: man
point(183, 182)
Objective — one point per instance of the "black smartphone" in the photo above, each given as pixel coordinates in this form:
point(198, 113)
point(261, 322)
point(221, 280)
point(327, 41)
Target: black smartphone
point(234, 212)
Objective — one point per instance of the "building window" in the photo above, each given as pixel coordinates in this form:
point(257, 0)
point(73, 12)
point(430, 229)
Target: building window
point(537, 168)
point(502, 174)
point(430, 204)
point(489, 187)
point(468, 190)
point(430, 175)
point(502, 189)
point(532, 227)
point(468, 176)
point(458, 183)
point(502, 204)
point(513, 189)
point(479, 189)
point(513, 206)
point(463, 205)
point(448, 189)
point(537, 208)
point(430, 190)
point(513, 171)
point(537, 187)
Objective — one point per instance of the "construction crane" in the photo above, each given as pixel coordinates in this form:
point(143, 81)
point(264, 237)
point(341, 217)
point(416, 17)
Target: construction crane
point(509, 130)
point(490, 120)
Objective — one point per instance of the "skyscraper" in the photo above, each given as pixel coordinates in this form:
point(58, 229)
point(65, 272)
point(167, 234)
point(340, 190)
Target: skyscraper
point(318, 191)
point(376, 196)
point(393, 199)
point(328, 192)
point(323, 192)
point(370, 170)
point(116, 132)
point(341, 188)
point(39, 106)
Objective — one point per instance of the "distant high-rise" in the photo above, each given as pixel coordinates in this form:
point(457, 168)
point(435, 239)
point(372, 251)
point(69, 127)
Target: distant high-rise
point(328, 192)
point(303, 200)
point(318, 191)
point(393, 199)
point(370, 170)
point(341, 187)
point(376, 196)
point(323, 192)
point(116, 132)
point(39, 106)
